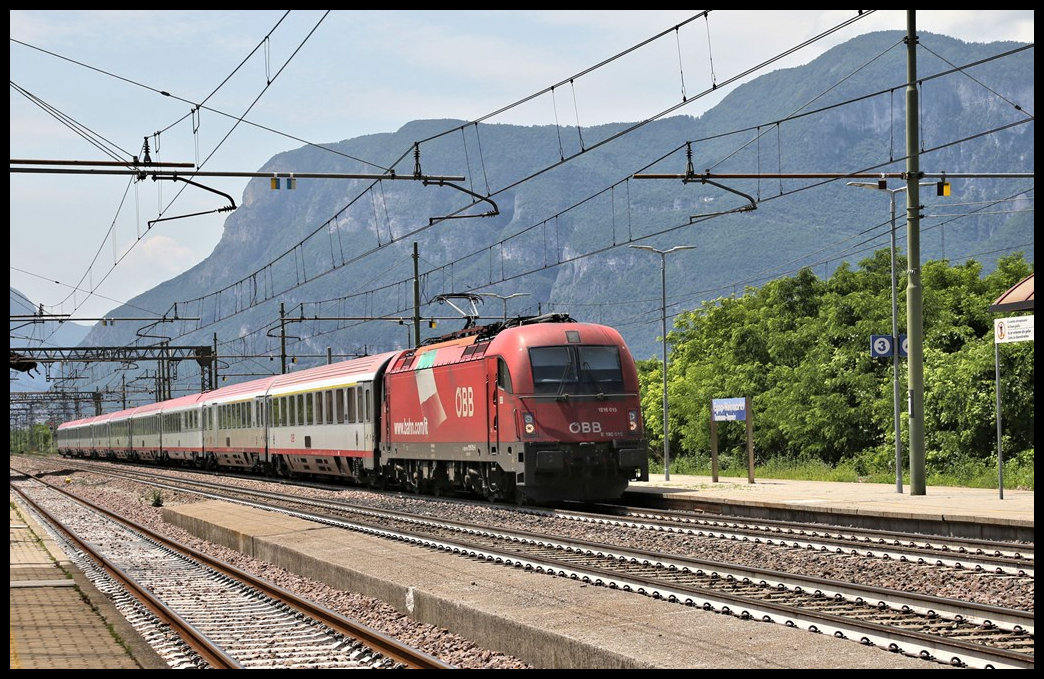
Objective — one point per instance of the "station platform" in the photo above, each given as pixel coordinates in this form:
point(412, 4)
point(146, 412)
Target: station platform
point(981, 513)
point(58, 618)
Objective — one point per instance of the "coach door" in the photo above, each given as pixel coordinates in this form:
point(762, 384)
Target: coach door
point(261, 428)
point(208, 428)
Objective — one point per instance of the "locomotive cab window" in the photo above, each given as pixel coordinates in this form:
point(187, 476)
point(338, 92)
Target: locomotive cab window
point(576, 369)
point(503, 375)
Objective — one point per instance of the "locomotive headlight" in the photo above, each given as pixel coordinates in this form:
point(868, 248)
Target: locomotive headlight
point(632, 420)
point(529, 423)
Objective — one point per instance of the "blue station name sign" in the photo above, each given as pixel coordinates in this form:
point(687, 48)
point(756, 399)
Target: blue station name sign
point(729, 409)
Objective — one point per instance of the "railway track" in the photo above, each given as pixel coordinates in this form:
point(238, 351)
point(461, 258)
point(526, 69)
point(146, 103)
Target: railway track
point(205, 614)
point(958, 633)
point(933, 628)
point(1005, 558)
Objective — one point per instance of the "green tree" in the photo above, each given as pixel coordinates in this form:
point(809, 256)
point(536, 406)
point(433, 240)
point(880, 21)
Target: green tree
point(799, 348)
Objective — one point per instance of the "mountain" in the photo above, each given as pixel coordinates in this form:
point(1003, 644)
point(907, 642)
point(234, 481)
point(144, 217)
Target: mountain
point(563, 206)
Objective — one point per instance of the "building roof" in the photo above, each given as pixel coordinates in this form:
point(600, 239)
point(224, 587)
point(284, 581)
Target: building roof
point(1019, 297)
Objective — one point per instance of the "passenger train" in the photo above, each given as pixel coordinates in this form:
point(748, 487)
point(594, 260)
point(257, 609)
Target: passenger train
point(534, 409)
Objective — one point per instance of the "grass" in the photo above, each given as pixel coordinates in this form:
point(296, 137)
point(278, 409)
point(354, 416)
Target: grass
point(1018, 472)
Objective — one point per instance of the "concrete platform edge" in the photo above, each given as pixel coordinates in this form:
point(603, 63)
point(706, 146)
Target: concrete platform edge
point(563, 624)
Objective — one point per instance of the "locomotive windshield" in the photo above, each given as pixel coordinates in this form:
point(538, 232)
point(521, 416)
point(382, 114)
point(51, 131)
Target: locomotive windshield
point(576, 370)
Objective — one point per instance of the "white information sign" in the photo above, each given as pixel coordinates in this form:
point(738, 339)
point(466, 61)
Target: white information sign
point(1013, 329)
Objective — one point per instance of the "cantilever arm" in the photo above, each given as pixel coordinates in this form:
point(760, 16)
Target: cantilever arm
point(228, 208)
point(492, 213)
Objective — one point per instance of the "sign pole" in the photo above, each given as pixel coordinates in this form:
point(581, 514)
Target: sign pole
point(750, 440)
point(1000, 453)
point(1005, 330)
point(714, 444)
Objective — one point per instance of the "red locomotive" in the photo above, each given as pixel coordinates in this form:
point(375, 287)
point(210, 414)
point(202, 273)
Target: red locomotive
point(532, 409)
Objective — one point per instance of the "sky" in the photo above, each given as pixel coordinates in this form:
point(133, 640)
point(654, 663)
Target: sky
point(208, 88)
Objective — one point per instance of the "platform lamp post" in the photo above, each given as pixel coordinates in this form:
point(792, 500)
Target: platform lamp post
point(882, 185)
point(504, 298)
point(663, 319)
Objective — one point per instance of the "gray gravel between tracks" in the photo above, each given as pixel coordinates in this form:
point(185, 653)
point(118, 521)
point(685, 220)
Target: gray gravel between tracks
point(557, 623)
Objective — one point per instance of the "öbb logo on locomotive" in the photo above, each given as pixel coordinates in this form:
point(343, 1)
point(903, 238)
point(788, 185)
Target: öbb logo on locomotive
point(544, 409)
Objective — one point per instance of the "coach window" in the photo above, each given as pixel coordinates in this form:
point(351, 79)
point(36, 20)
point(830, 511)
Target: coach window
point(319, 414)
point(369, 414)
point(352, 413)
point(275, 413)
point(360, 411)
point(309, 412)
point(339, 399)
point(328, 396)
